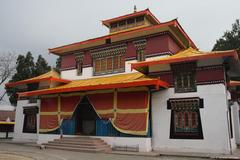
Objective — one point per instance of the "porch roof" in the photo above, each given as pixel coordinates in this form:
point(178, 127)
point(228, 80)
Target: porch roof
point(101, 83)
point(49, 76)
point(189, 54)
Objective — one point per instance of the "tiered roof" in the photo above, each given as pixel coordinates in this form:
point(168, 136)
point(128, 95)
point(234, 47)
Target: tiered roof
point(101, 83)
point(51, 76)
point(189, 54)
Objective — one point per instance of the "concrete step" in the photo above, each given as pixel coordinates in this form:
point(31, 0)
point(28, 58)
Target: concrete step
point(79, 140)
point(76, 149)
point(77, 145)
point(87, 144)
point(73, 142)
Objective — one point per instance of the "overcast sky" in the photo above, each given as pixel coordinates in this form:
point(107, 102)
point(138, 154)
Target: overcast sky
point(36, 25)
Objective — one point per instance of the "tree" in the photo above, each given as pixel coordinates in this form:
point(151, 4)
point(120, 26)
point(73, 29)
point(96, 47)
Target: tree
point(230, 39)
point(58, 64)
point(41, 66)
point(25, 69)
point(7, 68)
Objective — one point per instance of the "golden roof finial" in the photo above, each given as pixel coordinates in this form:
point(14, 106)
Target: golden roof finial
point(135, 8)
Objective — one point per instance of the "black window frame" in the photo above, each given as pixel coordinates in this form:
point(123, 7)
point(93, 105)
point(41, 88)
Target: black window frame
point(187, 133)
point(184, 75)
point(30, 112)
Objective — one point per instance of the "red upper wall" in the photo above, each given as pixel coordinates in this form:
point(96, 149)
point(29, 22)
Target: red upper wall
point(157, 45)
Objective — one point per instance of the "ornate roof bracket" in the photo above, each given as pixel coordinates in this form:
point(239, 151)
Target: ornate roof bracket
point(109, 51)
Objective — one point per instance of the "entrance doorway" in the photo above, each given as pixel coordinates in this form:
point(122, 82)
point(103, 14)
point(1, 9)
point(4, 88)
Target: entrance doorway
point(85, 118)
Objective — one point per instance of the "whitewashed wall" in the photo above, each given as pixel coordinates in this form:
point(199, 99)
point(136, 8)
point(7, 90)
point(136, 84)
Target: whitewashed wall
point(19, 122)
point(213, 118)
point(88, 71)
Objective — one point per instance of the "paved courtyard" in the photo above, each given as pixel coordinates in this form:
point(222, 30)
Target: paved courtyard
point(12, 151)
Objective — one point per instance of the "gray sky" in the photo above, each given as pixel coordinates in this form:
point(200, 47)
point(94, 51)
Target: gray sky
point(36, 25)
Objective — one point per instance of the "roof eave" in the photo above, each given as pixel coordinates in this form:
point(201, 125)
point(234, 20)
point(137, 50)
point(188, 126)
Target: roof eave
point(139, 66)
point(155, 82)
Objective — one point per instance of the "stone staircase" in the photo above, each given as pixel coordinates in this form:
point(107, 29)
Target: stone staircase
point(81, 143)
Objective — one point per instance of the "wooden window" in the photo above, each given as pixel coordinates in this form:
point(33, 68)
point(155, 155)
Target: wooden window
point(114, 25)
point(140, 55)
point(185, 118)
point(108, 65)
point(140, 19)
point(30, 120)
point(122, 23)
point(130, 21)
point(184, 77)
point(115, 62)
point(79, 67)
point(122, 61)
point(103, 65)
point(97, 65)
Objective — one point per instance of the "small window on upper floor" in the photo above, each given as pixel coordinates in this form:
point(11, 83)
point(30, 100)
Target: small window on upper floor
point(79, 63)
point(108, 65)
point(122, 23)
point(79, 67)
point(114, 25)
point(140, 19)
point(130, 21)
point(184, 77)
point(140, 55)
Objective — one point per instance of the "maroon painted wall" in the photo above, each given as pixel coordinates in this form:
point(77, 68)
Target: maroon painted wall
point(158, 44)
point(204, 75)
point(68, 61)
point(87, 60)
point(172, 46)
point(131, 50)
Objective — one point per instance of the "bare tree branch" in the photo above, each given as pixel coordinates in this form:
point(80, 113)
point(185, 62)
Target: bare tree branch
point(7, 69)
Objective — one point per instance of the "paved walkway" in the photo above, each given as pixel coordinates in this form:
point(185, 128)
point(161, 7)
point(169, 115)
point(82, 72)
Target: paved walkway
point(49, 154)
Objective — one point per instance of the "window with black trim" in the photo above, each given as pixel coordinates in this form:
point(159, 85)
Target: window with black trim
point(140, 55)
point(79, 63)
point(30, 120)
point(185, 118)
point(108, 65)
point(184, 77)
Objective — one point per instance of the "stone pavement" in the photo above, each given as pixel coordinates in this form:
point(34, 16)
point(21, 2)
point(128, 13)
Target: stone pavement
point(49, 154)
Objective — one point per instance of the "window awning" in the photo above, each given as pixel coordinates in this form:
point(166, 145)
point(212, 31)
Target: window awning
point(187, 55)
point(102, 83)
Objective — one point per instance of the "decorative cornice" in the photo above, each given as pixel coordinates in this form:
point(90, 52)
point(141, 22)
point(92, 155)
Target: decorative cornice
point(109, 51)
point(79, 56)
point(140, 44)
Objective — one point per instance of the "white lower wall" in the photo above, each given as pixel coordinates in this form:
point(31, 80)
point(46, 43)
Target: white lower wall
point(213, 118)
point(19, 122)
point(144, 144)
point(236, 123)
